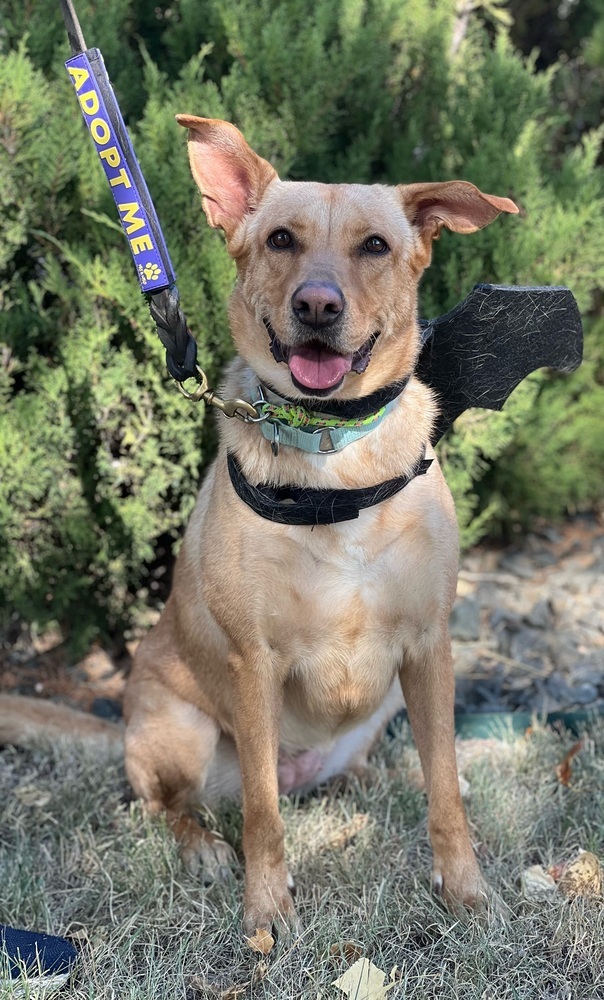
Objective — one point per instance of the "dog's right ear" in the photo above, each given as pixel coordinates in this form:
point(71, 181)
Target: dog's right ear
point(231, 177)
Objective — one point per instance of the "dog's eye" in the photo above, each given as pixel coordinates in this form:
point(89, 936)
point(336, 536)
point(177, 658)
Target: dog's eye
point(281, 239)
point(375, 244)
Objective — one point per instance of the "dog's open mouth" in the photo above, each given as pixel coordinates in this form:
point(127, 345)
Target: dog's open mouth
point(315, 367)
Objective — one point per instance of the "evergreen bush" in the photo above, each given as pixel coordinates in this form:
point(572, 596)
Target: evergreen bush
point(100, 457)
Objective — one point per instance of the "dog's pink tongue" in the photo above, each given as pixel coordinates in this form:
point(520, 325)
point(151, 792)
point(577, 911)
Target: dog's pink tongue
point(318, 367)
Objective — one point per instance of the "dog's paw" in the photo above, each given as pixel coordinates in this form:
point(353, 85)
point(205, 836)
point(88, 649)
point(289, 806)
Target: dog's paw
point(461, 886)
point(204, 852)
point(270, 912)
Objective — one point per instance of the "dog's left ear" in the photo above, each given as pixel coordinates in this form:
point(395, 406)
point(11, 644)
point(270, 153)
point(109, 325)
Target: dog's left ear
point(458, 205)
point(231, 177)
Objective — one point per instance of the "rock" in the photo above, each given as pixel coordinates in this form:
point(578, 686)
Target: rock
point(563, 649)
point(106, 708)
point(551, 534)
point(567, 694)
point(584, 694)
point(544, 559)
point(581, 562)
point(558, 688)
point(590, 669)
point(528, 645)
point(511, 620)
point(488, 692)
point(594, 619)
point(541, 615)
point(464, 622)
point(518, 564)
point(542, 700)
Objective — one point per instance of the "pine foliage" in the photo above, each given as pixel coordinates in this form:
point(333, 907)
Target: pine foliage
point(100, 457)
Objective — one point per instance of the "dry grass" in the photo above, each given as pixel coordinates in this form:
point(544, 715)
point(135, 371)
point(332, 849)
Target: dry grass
point(77, 858)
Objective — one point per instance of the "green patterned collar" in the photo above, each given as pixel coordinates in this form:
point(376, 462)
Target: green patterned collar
point(286, 423)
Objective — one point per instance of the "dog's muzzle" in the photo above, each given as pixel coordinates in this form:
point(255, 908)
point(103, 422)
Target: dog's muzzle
point(315, 367)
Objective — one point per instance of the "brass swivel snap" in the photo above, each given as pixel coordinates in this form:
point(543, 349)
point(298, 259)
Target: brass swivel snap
point(239, 408)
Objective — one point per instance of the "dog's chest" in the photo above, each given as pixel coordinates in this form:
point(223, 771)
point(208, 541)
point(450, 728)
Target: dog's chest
point(340, 617)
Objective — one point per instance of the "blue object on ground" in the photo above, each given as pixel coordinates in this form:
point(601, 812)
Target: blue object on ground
point(42, 961)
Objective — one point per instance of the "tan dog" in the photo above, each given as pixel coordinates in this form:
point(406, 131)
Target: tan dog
point(277, 660)
point(282, 651)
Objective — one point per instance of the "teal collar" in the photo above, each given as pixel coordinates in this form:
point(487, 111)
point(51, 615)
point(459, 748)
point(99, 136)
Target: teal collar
point(287, 423)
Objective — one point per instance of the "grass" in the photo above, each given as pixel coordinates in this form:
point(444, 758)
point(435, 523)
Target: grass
point(78, 858)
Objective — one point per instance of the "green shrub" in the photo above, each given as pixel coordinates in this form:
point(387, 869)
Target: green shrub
point(100, 456)
point(555, 461)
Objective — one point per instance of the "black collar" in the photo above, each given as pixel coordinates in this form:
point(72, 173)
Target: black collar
point(348, 409)
point(301, 505)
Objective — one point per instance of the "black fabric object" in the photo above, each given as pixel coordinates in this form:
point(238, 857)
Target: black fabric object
point(479, 352)
point(42, 955)
point(348, 409)
point(172, 330)
point(302, 505)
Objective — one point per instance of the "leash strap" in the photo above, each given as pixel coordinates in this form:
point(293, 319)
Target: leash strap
point(132, 199)
point(134, 205)
point(301, 505)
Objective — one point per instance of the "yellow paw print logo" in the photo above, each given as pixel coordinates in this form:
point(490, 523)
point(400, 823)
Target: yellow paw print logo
point(151, 272)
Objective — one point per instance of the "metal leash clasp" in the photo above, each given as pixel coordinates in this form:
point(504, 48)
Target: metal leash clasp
point(201, 389)
point(232, 407)
point(239, 408)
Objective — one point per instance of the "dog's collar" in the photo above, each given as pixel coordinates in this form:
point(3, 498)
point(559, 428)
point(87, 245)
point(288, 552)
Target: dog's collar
point(287, 422)
point(301, 505)
point(325, 426)
point(349, 409)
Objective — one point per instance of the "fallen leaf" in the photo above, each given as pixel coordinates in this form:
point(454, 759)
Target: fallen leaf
point(259, 973)
point(29, 795)
point(261, 942)
point(77, 932)
point(582, 876)
point(364, 981)
point(536, 882)
point(349, 950)
point(346, 833)
point(564, 768)
point(557, 871)
point(219, 989)
point(207, 989)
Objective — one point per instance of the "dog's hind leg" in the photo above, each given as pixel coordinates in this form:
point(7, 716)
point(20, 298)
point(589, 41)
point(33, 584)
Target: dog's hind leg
point(170, 745)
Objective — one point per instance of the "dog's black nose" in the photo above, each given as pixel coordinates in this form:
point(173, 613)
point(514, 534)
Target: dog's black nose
point(317, 303)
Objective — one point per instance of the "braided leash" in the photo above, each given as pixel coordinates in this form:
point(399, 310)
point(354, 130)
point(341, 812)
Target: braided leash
point(172, 330)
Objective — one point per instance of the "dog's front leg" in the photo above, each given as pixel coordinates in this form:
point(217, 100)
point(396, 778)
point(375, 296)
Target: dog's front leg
point(257, 700)
point(429, 688)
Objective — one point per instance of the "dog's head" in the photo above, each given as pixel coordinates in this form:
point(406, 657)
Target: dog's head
point(326, 298)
